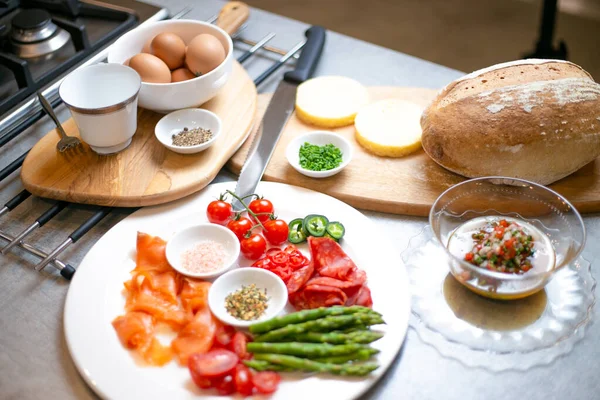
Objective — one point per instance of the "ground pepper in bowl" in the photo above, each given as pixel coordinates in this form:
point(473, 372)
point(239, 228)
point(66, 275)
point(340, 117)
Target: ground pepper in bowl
point(191, 137)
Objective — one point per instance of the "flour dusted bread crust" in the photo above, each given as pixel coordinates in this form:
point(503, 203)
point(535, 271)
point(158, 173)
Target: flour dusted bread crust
point(531, 119)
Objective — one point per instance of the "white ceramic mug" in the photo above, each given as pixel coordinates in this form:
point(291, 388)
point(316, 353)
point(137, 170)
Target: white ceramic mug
point(103, 101)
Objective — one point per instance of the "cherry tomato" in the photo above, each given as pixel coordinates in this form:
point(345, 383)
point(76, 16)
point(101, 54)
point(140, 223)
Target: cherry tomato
point(238, 345)
point(201, 381)
point(242, 377)
point(239, 226)
point(266, 382)
point(218, 212)
point(253, 247)
point(469, 256)
point(223, 335)
point(215, 363)
point(224, 385)
point(276, 231)
point(259, 206)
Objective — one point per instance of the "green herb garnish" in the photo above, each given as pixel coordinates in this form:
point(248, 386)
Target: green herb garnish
point(320, 158)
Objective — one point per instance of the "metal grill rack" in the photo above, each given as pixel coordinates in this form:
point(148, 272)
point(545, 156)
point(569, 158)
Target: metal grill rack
point(31, 112)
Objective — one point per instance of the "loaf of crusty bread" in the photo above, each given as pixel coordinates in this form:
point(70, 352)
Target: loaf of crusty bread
point(532, 119)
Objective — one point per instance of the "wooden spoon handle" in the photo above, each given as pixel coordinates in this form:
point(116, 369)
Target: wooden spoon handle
point(232, 16)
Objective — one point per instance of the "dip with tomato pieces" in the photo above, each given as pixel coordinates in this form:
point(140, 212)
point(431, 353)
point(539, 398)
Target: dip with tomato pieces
point(502, 244)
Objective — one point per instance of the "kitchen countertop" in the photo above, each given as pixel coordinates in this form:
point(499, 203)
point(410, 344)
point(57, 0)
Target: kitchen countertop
point(35, 362)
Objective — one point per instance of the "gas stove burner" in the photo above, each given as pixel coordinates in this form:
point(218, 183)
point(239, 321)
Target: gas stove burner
point(34, 34)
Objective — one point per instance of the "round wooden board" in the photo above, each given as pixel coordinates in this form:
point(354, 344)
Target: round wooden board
point(407, 185)
point(146, 173)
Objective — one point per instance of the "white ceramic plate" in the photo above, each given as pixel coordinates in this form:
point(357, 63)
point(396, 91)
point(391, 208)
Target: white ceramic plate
point(95, 298)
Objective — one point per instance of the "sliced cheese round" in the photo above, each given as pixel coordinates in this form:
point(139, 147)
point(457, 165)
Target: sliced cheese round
point(330, 101)
point(389, 128)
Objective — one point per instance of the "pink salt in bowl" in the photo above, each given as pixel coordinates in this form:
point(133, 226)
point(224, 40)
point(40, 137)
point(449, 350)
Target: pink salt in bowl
point(203, 251)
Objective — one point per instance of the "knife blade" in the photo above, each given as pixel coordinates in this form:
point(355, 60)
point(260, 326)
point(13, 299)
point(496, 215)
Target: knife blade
point(278, 112)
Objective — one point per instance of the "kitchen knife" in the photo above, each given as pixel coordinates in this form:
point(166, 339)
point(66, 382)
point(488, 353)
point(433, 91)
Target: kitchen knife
point(278, 112)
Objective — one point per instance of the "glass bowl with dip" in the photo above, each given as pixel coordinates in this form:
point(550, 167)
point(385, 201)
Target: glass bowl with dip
point(506, 237)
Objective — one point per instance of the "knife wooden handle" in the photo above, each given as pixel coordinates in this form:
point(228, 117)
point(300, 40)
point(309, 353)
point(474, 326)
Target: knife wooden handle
point(232, 16)
point(309, 57)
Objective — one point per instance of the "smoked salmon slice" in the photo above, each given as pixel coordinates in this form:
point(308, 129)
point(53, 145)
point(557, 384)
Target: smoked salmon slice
point(194, 294)
point(196, 337)
point(147, 301)
point(150, 254)
point(136, 332)
point(135, 329)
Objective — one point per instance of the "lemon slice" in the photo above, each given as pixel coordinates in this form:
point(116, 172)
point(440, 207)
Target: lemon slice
point(389, 128)
point(330, 101)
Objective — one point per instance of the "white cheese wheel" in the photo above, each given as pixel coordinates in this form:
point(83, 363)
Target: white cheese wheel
point(330, 101)
point(389, 128)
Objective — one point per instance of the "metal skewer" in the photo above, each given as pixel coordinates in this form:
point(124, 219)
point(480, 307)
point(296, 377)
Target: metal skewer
point(45, 217)
point(267, 48)
point(73, 237)
point(279, 63)
point(15, 201)
point(183, 13)
point(255, 48)
point(66, 270)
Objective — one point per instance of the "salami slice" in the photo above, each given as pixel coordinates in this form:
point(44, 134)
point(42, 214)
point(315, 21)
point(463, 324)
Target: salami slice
point(364, 297)
point(299, 277)
point(315, 296)
point(327, 281)
point(329, 258)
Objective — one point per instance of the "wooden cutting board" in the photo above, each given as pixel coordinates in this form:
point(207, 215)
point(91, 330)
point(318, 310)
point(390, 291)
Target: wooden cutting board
point(407, 185)
point(146, 173)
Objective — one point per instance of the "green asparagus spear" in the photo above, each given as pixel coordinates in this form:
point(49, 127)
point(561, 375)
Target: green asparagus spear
point(309, 350)
point(353, 328)
point(361, 355)
point(323, 324)
point(306, 315)
point(260, 365)
point(362, 337)
point(315, 366)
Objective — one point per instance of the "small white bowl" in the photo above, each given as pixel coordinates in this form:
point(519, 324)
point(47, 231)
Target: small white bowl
point(319, 138)
point(190, 118)
point(234, 280)
point(187, 238)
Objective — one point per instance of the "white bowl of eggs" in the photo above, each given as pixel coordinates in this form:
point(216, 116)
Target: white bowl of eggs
point(182, 63)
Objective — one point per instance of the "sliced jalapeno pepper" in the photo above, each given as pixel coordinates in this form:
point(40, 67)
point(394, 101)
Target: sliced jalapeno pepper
point(315, 225)
point(331, 237)
point(296, 233)
point(336, 230)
